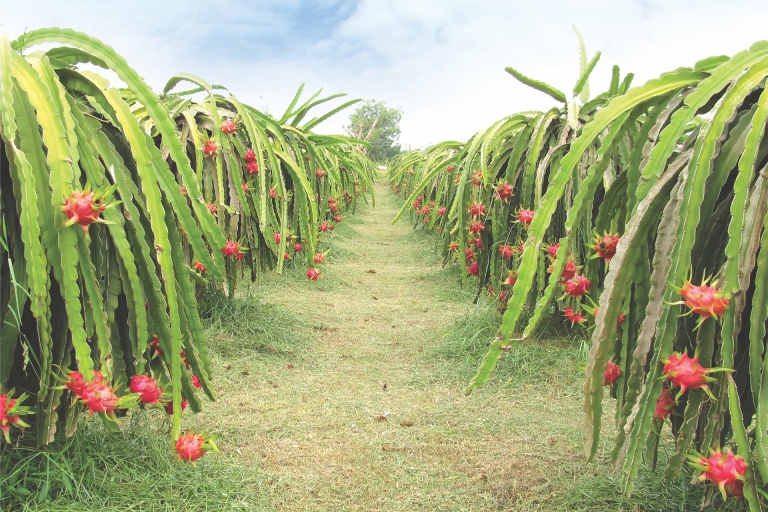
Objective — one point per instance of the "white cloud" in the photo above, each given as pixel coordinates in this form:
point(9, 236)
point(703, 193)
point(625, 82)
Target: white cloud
point(442, 62)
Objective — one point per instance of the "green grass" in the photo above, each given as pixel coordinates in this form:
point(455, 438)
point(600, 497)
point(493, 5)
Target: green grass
point(97, 470)
point(247, 325)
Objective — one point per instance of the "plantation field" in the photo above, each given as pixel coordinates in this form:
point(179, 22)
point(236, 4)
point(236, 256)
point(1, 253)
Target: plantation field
point(567, 311)
point(348, 394)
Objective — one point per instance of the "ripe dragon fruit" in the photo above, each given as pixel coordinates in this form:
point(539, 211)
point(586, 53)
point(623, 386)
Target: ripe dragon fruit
point(552, 250)
point(573, 317)
point(99, 397)
point(476, 227)
point(619, 320)
point(250, 156)
point(469, 254)
point(324, 227)
point(169, 406)
point(687, 373)
point(453, 246)
point(569, 272)
point(706, 301)
point(210, 148)
point(441, 210)
point(511, 278)
point(477, 179)
point(476, 209)
point(245, 187)
point(320, 173)
point(147, 389)
point(196, 382)
point(506, 251)
point(525, 217)
point(333, 207)
point(229, 127)
point(11, 411)
point(77, 384)
point(450, 168)
point(231, 249)
point(272, 192)
point(503, 190)
point(339, 218)
point(252, 168)
point(477, 242)
point(191, 446)
point(83, 208)
point(211, 208)
point(183, 356)
point(612, 374)
point(577, 286)
point(605, 246)
point(278, 238)
point(313, 274)
point(183, 191)
point(286, 256)
point(155, 344)
point(726, 471)
point(474, 269)
point(319, 258)
point(665, 404)
point(297, 247)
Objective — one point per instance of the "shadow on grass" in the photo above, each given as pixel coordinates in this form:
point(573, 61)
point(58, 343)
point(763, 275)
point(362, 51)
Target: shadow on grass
point(246, 325)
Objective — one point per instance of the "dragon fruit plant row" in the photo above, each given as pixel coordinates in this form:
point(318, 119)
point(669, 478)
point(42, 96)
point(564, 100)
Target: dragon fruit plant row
point(638, 214)
point(116, 204)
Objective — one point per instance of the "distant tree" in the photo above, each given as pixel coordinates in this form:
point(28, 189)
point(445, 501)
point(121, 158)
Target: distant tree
point(378, 125)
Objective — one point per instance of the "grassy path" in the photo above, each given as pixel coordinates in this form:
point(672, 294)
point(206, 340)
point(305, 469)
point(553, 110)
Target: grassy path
point(367, 413)
point(333, 427)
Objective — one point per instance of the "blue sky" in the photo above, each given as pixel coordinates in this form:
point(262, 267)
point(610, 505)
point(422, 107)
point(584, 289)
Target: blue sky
point(441, 61)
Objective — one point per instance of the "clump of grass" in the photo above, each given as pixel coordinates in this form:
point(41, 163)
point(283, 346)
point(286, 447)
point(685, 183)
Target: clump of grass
point(130, 470)
point(596, 488)
point(246, 325)
point(542, 358)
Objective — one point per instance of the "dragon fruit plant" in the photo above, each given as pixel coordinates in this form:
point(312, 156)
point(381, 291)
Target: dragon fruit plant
point(100, 283)
point(642, 192)
point(265, 177)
